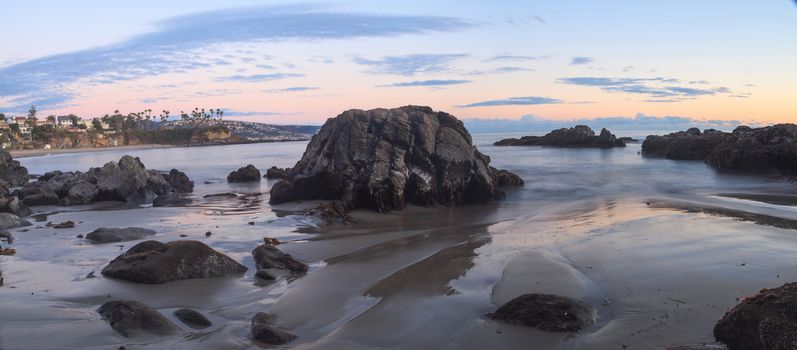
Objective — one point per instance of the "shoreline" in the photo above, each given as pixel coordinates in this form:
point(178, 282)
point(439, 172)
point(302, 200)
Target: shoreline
point(45, 152)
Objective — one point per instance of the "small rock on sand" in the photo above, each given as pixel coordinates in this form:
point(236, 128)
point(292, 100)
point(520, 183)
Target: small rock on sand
point(131, 318)
point(7, 235)
point(155, 262)
point(193, 318)
point(269, 257)
point(546, 312)
point(110, 235)
point(8, 220)
point(65, 224)
point(263, 330)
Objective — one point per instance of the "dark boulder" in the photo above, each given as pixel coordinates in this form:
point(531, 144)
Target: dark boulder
point(330, 213)
point(38, 193)
point(578, 136)
point(505, 178)
point(155, 262)
point(179, 181)
point(245, 174)
point(768, 321)
point(11, 171)
point(131, 318)
point(110, 235)
point(767, 149)
point(268, 257)
point(264, 330)
point(10, 203)
point(82, 192)
point(276, 173)
point(546, 312)
point(384, 159)
point(193, 318)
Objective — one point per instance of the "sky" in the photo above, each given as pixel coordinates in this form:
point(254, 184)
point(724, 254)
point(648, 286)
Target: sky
point(710, 61)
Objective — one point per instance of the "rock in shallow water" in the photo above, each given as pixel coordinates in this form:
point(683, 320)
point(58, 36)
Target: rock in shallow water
point(263, 330)
point(276, 173)
point(578, 136)
point(109, 235)
point(179, 181)
point(383, 159)
point(131, 318)
point(245, 174)
point(155, 262)
point(8, 220)
point(11, 171)
point(171, 200)
point(766, 321)
point(270, 257)
point(193, 318)
point(546, 312)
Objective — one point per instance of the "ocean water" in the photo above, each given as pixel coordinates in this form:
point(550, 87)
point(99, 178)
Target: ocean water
point(660, 248)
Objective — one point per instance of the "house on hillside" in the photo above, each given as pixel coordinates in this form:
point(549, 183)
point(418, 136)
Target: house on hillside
point(63, 121)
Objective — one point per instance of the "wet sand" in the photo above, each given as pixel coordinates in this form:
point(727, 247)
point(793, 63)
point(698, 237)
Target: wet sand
point(661, 266)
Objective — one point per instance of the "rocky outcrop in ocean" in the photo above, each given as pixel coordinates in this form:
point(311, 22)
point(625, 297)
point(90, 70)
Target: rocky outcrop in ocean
point(384, 159)
point(11, 171)
point(578, 136)
point(767, 149)
point(126, 180)
point(244, 174)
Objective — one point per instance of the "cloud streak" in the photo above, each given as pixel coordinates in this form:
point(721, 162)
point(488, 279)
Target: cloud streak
point(432, 83)
point(581, 60)
point(409, 65)
point(514, 101)
point(655, 87)
point(176, 46)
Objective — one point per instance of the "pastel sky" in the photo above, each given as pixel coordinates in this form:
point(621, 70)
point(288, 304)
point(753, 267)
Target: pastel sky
point(284, 63)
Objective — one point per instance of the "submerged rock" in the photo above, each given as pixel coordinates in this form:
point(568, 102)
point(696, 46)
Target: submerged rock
point(131, 318)
point(109, 235)
point(264, 330)
point(766, 321)
point(193, 318)
point(8, 220)
point(155, 262)
point(276, 173)
point(171, 200)
point(384, 159)
point(11, 171)
point(245, 174)
point(546, 312)
point(268, 257)
point(578, 136)
point(767, 149)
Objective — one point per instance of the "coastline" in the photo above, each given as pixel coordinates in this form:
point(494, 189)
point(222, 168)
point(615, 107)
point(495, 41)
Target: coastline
point(43, 152)
point(24, 153)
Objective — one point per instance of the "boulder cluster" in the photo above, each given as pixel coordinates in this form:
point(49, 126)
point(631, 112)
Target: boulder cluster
point(384, 159)
point(578, 136)
point(767, 149)
point(126, 180)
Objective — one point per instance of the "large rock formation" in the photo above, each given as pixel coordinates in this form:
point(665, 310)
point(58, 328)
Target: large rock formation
point(771, 148)
point(131, 318)
point(546, 312)
point(155, 262)
point(126, 180)
point(383, 159)
point(766, 321)
point(578, 136)
point(11, 171)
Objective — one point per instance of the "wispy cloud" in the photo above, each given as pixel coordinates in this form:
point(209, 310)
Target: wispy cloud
point(433, 83)
point(254, 78)
point(409, 65)
point(234, 113)
point(516, 58)
point(514, 101)
point(177, 45)
point(655, 87)
point(501, 70)
point(581, 60)
point(292, 89)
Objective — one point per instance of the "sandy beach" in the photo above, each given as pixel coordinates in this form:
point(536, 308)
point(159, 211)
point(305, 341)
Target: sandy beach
point(43, 152)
